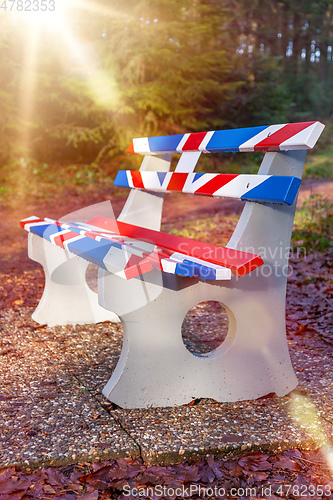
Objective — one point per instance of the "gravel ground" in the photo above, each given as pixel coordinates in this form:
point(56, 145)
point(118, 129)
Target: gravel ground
point(53, 412)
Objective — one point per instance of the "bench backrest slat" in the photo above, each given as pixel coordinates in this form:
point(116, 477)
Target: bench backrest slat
point(256, 188)
point(281, 137)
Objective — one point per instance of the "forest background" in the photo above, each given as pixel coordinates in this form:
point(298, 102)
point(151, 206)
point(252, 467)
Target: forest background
point(79, 80)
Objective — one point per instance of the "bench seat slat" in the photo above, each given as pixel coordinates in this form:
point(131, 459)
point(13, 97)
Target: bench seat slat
point(122, 255)
point(283, 137)
point(255, 188)
point(239, 262)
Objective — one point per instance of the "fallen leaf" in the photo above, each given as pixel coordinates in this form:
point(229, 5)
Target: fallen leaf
point(89, 496)
point(301, 329)
point(49, 489)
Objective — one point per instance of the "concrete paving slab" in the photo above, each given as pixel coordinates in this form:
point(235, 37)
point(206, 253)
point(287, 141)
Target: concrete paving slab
point(53, 412)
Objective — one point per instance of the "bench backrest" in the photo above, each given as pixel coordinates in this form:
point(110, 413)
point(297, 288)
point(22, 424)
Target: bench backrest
point(255, 188)
point(260, 230)
point(283, 137)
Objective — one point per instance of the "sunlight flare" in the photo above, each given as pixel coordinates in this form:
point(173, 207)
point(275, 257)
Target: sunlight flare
point(306, 416)
point(58, 25)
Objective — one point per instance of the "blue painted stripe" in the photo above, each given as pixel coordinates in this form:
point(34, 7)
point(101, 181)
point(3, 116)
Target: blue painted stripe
point(45, 231)
point(197, 176)
point(291, 194)
point(91, 250)
point(189, 268)
point(101, 241)
point(201, 271)
point(275, 189)
point(164, 144)
point(183, 269)
point(230, 140)
point(121, 179)
point(161, 176)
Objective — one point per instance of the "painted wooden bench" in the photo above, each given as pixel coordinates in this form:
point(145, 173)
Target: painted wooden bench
point(151, 279)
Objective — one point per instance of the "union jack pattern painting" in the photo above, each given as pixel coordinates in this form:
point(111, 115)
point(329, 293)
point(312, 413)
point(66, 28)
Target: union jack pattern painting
point(115, 246)
point(256, 188)
point(281, 137)
point(120, 255)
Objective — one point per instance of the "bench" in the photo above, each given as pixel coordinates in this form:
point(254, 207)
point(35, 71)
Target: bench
point(151, 279)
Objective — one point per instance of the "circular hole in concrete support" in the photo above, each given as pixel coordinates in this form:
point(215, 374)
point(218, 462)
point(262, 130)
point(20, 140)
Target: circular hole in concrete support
point(205, 327)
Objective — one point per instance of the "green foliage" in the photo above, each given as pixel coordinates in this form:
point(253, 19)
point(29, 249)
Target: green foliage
point(80, 92)
point(216, 229)
point(314, 224)
point(172, 61)
point(319, 161)
point(264, 97)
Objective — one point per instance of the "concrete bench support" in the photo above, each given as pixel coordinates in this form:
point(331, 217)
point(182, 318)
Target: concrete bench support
point(156, 369)
point(67, 298)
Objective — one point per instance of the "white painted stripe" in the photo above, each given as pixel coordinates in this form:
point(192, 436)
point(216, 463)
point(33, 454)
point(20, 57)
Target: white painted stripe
point(168, 266)
point(151, 181)
point(180, 257)
point(141, 145)
point(129, 179)
point(166, 181)
point(306, 139)
point(27, 226)
point(191, 187)
point(31, 219)
point(179, 148)
point(249, 145)
point(205, 141)
point(222, 273)
point(188, 161)
point(59, 233)
point(240, 185)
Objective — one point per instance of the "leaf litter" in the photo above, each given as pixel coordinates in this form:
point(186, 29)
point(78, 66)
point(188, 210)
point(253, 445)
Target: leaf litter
point(117, 478)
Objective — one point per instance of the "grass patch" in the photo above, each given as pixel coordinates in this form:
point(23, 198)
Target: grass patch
point(320, 166)
point(313, 226)
point(216, 230)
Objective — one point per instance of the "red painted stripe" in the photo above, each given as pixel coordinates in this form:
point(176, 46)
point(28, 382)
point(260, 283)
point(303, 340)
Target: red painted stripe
point(239, 262)
point(177, 181)
point(286, 132)
point(194, 141)
point(130, 149)
point(23, 223)
point(137, 179)
point(61, 238)
point(137, 266)
point(89, 235)
point(215, 183)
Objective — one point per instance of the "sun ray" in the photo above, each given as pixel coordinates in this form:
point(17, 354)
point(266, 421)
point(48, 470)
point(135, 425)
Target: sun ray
point(62, 30)
point(28, 85)
point(305, 415)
